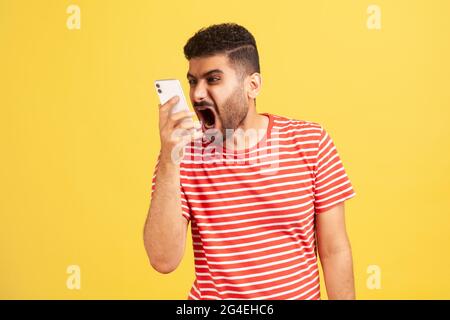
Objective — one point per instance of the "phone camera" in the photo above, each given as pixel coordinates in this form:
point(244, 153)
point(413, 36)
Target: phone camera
point(159, 91)
point(157, 85)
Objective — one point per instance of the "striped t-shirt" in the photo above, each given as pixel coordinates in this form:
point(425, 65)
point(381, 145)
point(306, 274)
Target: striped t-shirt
point(252, 212)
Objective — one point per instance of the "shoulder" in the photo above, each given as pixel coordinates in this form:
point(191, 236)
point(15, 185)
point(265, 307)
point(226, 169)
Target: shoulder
point(296, 127)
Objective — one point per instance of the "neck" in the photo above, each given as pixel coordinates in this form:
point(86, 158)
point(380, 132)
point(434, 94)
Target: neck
point(249, 133)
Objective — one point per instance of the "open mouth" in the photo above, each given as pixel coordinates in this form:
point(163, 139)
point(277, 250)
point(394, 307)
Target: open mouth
point(207, 117)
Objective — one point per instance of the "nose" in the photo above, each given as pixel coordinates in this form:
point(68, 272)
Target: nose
point(199, 93)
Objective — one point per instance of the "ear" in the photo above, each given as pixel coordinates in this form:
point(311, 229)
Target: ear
point(254, 85)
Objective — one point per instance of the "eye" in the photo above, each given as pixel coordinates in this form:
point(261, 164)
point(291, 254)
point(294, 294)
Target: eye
point(213, 79)
point(191, 82)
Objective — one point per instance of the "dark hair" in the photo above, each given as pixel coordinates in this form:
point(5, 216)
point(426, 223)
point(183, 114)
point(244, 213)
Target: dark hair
point(231, 39)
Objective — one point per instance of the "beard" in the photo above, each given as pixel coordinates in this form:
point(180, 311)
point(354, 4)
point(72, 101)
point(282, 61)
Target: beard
point(233, 112)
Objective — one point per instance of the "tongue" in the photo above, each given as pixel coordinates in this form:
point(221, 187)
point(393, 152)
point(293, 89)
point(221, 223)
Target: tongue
point(205, 126)
point(209, 126)
point(210, 123)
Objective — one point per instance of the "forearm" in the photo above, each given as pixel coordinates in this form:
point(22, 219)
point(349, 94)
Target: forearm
point(163, 231)
point(338, 273)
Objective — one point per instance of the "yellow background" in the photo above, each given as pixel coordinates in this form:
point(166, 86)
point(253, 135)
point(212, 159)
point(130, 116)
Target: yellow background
point(79, 134)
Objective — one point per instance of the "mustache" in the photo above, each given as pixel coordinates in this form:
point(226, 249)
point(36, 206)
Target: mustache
point(203, 104)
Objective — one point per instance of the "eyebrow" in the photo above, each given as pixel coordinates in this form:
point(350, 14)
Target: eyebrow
point(206, 73)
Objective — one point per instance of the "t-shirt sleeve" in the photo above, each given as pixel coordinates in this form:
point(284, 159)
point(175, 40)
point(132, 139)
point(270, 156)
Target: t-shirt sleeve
point(185, 210)
point(332, 185)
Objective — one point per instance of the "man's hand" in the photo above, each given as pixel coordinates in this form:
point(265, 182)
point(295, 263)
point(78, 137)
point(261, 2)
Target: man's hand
point(175, 129)
point(335, 253)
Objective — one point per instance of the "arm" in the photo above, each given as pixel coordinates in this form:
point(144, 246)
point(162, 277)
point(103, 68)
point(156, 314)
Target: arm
point(165, 229)
point(335, 253)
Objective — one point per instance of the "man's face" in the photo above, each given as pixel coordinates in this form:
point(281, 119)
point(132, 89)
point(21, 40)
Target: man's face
point(217, 93)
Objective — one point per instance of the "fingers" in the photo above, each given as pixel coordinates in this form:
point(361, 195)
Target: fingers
point(167, 107)
point(189, 125)
point(177, 116)
point(179, 127)
point(193, 135)
point(187, 128)
point(169, 104)
point(173, 118)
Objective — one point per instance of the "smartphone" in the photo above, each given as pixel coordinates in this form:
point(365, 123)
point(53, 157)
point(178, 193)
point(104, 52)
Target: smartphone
point(166, 89)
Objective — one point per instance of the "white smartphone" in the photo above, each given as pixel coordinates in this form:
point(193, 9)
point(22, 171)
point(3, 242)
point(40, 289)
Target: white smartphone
point(166, 89)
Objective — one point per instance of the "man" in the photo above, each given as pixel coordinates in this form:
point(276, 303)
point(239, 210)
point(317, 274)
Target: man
point(259, 204)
